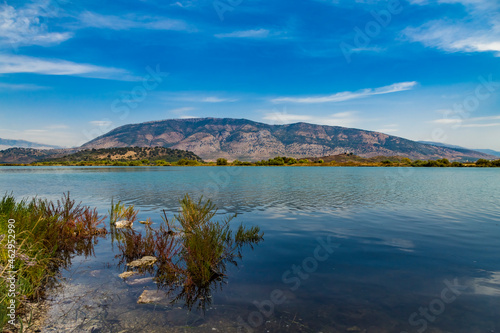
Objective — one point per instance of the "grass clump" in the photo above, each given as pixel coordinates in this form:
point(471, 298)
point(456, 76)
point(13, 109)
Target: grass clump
point(47, 234)
point(192, 250)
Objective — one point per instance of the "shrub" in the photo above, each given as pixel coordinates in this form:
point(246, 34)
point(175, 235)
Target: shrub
point(221, 161)
point(457, 164)
point(304, 160)
point(483, 163)
point(185, 162)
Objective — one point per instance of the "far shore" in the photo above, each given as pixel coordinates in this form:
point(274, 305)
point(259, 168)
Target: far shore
point(277, 161)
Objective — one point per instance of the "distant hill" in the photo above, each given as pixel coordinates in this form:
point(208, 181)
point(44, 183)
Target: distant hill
point(7, 143)
point(28, 155)
point(441, 144)
point(489, 152)
point(211, 138)
point(484, 151)
point(127, 154)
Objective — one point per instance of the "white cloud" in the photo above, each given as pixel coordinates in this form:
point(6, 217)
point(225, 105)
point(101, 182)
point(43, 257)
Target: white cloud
point(348, 95)
point(94, 20)
point(285, 118)
point(101, 123)
point(181, 110)
point(258, 33)
point(481, 125)
point(11, 86)
point(213, 99)
point(24, 64)
point(478, 32)
point(345, 119)
point(25, 26)
point(467, 122)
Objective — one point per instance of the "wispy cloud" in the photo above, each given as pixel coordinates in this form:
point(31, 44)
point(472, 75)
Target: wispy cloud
point(24, 26)
point(348, 95)
point(345, 119)
point(479, 32)
point(258, 33)
point(182, 110)
point(95, 20)
point(24, 64)
point(12, 86)
point(475, 122)
point(214, 99)
point(101, 123)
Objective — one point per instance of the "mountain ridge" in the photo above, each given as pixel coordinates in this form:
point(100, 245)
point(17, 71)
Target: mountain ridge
point(11, 143)
point(243, 139)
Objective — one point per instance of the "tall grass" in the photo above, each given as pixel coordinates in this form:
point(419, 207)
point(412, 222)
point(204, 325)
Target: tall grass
point(47, 235)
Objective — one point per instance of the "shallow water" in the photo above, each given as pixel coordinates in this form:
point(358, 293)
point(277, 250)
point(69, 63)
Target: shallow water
point(413, 250)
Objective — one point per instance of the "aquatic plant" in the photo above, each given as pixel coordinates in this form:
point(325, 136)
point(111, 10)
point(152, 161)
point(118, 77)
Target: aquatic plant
point(192, 250)
point(119, 211)
point(47, 235)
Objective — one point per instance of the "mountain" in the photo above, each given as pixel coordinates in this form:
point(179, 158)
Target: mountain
point(242, 139)
point(441, 144)
point(489, 152)
point(7, 143)
point(484, 151)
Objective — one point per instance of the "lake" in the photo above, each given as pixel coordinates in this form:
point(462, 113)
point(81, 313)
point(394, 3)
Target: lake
point(345, 249)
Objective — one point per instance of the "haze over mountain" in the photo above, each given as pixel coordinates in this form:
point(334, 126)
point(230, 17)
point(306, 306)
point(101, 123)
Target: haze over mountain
point(211, 138)
point(484, 151)
point(8, 143)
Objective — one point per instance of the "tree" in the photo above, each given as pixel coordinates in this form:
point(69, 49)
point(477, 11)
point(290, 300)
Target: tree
point(483, 163)
point(221, 161)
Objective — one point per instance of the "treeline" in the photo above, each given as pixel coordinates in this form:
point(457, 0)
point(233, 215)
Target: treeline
point(127, 155)
point(143, 162)
point(277, 161)
point(442, 163)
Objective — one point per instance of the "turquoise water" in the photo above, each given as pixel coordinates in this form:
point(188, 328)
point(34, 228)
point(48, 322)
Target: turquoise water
point(407, 250)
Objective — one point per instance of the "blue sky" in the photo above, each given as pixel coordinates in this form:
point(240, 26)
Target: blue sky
point(423, 70)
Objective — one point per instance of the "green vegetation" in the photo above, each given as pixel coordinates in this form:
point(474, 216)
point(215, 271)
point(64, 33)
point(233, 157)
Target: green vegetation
point(132, 156)
point(221, 161)
point(192, 250)
point(47, 235)
point(156, 157)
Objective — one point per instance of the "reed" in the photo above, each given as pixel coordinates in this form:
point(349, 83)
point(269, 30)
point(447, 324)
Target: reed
point(47, 235)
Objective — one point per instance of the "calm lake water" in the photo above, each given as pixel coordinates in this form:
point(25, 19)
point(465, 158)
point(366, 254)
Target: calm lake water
point(345, 249)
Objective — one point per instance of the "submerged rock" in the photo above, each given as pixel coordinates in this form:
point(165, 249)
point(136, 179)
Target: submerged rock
point(151, 296)
point(125, 275)
point(123, 224)
point(144, 261)
point(137, 281)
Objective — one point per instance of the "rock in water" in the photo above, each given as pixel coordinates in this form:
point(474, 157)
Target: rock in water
point(123, 224)
point(125, 275)
point(151, 296)
point(144, 261)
